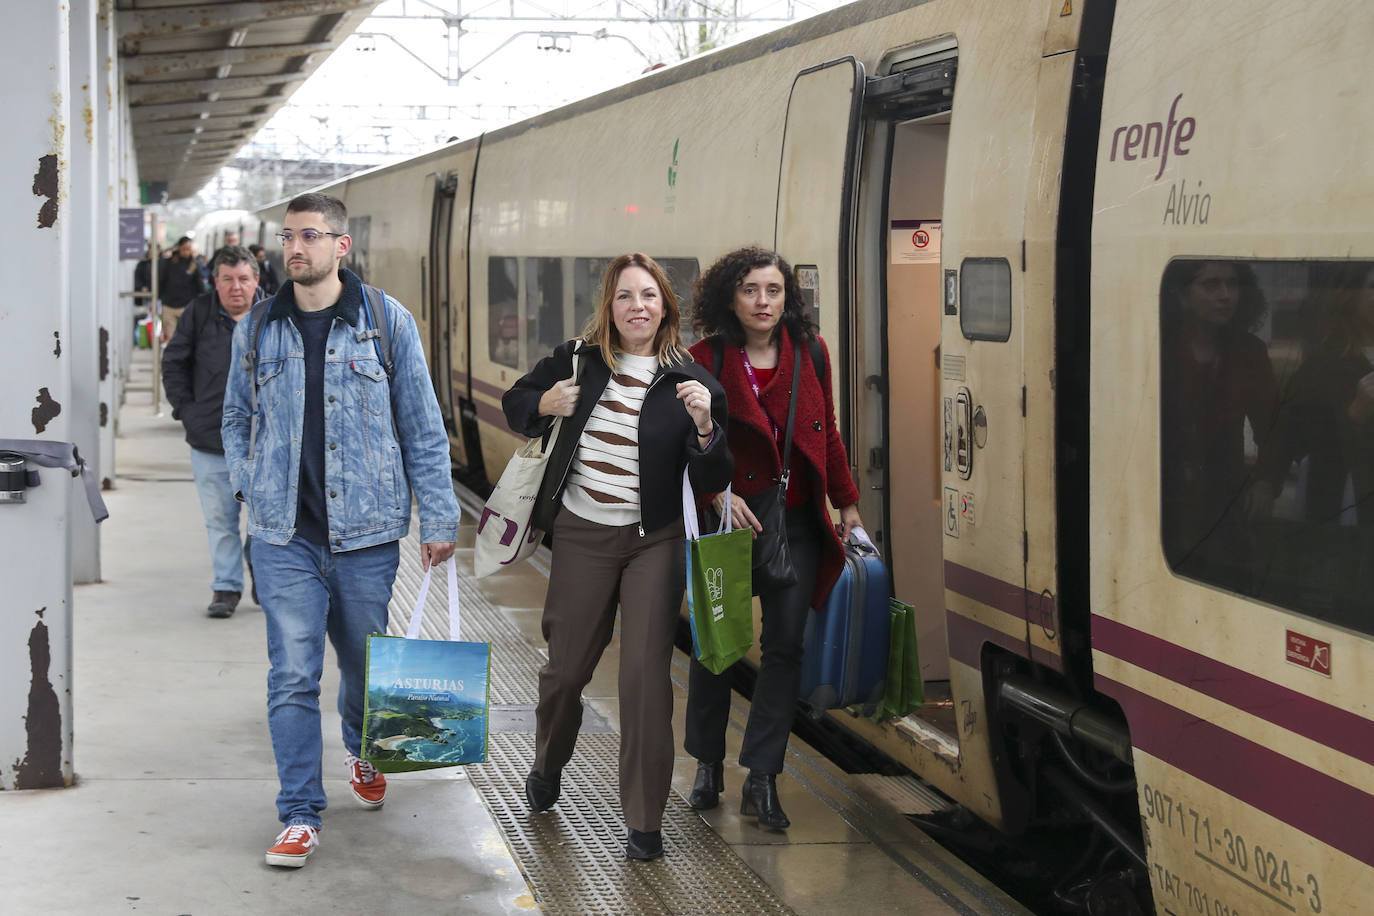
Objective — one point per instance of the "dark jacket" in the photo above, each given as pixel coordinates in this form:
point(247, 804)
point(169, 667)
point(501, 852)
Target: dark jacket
point(268, 284)
point(178, 282)
point(195, 368)
point(667, 436)
point(816, 446)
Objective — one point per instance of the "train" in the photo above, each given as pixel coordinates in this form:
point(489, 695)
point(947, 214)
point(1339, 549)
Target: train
point(1099, 491)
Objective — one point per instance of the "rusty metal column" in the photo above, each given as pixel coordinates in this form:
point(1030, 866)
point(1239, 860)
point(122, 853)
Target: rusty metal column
point(35, 614)
point(82, 212)
point(112, 313)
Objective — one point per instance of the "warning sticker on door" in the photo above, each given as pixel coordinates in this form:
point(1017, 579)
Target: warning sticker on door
point(914, 241)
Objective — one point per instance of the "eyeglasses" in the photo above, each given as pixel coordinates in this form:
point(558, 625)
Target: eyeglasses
point(308, 237)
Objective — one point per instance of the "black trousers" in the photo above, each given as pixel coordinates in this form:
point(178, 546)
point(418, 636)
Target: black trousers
point(779, 681)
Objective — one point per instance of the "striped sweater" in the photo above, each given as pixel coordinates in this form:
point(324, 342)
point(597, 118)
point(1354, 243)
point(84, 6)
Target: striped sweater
point(603, 482)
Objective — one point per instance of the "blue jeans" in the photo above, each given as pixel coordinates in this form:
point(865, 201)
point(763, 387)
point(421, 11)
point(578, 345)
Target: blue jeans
point(221, 511)
point(306, 593)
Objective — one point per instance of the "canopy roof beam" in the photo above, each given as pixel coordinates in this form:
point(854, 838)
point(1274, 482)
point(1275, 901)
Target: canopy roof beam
point(151, 23)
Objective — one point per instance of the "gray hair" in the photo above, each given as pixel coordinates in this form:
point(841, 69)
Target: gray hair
point(233, 256)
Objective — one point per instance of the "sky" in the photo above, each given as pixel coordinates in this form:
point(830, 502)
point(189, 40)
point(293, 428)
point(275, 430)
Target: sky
point(362, 105)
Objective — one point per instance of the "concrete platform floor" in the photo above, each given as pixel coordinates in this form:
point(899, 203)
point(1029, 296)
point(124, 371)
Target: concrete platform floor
point(173, 805)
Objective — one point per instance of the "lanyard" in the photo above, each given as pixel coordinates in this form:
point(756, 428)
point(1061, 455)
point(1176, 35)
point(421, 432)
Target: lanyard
point(758, 396)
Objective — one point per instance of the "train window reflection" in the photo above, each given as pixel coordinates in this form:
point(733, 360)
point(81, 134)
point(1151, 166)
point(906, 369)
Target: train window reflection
point(586, 289)
point(543, 307)
point(682, 273)
point(1267, 431)
point(985, 291)
point(503, 320)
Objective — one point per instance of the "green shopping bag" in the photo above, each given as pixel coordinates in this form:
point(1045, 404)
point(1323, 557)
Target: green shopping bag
point(720, 590)
point(903, 690)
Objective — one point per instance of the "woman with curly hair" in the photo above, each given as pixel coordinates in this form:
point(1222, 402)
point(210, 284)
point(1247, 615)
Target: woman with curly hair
point(750, 313)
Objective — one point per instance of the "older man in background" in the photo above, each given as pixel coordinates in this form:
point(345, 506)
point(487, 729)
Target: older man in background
point(194, 371)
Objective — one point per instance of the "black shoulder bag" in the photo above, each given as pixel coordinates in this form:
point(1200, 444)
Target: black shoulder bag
point(773, 568)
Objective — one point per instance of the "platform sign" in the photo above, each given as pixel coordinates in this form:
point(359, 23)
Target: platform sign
point(131, 243)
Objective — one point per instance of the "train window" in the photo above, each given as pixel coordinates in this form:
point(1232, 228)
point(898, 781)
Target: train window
point(360, 228)
point(682, 273)
point(543, 306)
point(503, 319)
point(1267, 431)
point(586, 289)
point(985, 291)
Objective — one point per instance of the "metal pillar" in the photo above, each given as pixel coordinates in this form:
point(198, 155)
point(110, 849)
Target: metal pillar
point(35, 625)
point(83, 210)
point(112, 319)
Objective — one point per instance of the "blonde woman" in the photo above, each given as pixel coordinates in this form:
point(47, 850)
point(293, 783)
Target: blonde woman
point(638, 413)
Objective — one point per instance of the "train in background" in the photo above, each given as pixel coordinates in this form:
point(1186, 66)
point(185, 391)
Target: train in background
point(1017, 224)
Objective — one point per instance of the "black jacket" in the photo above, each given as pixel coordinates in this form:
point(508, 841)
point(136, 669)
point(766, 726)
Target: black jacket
point(667, 436)
point(178, 281)
point(195, 369)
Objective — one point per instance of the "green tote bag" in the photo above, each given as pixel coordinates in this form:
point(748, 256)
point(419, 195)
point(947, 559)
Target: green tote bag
point(719, 586)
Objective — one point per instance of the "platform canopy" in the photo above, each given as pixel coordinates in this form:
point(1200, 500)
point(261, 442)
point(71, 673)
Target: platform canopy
point(202, 79)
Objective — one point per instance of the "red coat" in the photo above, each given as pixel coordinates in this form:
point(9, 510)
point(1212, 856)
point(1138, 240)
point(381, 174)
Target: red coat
point(816, 446)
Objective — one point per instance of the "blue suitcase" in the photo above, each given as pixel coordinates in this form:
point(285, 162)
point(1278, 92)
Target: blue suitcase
point(846, 642)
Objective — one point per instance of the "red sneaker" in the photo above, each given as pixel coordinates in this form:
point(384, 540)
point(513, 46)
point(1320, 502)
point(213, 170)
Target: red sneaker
point(294, 846)
point(369, 786)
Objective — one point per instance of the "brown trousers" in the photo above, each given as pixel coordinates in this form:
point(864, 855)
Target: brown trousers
point(170, 318)
point(595, 568)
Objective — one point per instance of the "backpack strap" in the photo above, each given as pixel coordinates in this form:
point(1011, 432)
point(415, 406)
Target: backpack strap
point(817, 359)
point(380, 332)
point(717, 354)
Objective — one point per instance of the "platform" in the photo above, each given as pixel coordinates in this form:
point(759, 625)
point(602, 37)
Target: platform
point(173, 804)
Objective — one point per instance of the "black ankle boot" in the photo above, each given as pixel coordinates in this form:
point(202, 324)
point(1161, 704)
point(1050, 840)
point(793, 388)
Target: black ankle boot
point(710, 783)
point(541, 791)
point(644, 845)
point(761, 798)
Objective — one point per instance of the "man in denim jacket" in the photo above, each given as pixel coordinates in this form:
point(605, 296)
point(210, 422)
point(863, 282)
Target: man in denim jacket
point(327, 477)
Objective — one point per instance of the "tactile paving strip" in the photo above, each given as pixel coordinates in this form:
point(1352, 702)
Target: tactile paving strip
point(573, 855)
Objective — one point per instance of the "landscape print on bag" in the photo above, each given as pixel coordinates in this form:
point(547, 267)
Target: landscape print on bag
point(426, 701)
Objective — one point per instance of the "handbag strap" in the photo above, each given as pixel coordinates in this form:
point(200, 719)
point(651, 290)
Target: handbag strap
point(551, 434)
point(418, 614)
point(691, 525)
point(791, 416)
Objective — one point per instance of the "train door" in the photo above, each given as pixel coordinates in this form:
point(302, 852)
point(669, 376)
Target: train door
point(907, 109)
point(813, 222)
point(438, 283)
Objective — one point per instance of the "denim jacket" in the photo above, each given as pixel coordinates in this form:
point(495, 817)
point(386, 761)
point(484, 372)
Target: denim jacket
point(370, 465)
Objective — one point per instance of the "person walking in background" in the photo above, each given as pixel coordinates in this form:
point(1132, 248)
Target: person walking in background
point(616, 474)
point(267, 274)
point(194, 371)
point(749, 306)
point(179, 281)
point(341, 440)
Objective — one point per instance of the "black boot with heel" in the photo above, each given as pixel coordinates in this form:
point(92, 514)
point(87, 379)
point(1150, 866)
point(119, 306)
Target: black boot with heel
point(708, 786)
point(761, 799)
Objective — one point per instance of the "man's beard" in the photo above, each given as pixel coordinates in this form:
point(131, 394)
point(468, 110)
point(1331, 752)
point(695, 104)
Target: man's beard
point(310, 275)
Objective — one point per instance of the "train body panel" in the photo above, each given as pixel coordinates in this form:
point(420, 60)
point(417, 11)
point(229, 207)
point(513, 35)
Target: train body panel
point(1250, 716)
point(982, 200)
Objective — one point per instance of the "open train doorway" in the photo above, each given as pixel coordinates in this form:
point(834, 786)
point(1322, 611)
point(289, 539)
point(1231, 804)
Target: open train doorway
point(899, 307)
